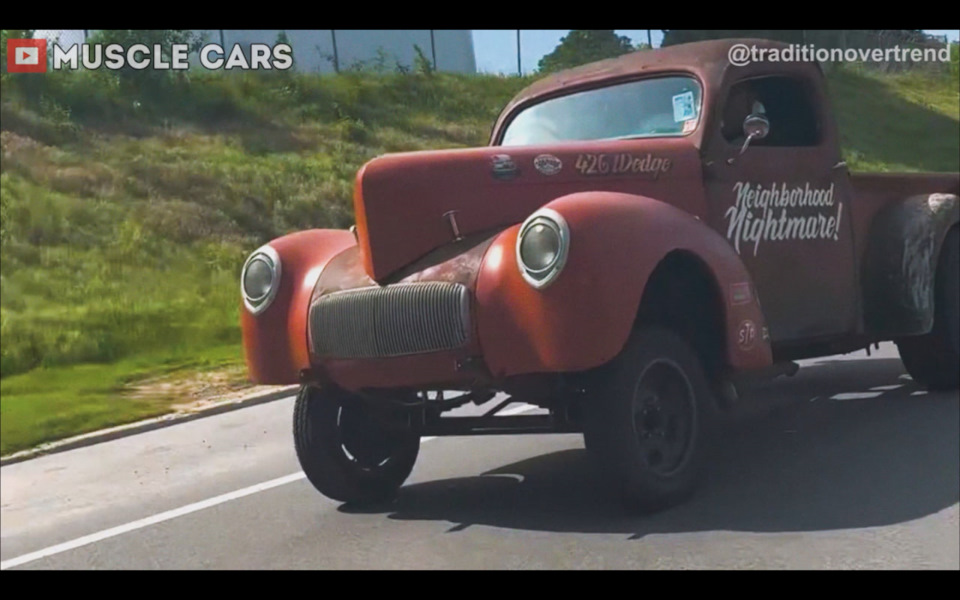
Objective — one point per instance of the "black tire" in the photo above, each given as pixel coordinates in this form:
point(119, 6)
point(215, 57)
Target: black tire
point(933, 360)
point(650, 421)
point(347, 454)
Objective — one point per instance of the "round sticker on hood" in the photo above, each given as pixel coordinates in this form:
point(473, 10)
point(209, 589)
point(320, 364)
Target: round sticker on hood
point(547, 164)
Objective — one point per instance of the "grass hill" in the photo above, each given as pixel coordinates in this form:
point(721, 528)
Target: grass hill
point(127, 210)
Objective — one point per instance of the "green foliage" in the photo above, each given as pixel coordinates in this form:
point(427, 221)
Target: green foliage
point(283, 38)
point(49, 404)
point(920, 113)
point(124, 225)
point(147, 81)
point(421, 63)
point(582, 46)
point(6, 34)
point(955, 60)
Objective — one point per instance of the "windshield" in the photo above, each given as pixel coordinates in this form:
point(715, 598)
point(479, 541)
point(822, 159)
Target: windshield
point(661, 107)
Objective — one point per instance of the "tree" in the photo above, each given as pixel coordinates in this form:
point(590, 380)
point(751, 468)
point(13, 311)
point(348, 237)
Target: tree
point(6, 34)
point(583, 46)
point(146, 81)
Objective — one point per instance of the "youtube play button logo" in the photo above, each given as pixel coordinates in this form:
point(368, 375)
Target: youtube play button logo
point(26, 56)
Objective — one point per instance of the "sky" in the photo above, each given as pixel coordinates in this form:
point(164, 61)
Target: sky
point(496, 49)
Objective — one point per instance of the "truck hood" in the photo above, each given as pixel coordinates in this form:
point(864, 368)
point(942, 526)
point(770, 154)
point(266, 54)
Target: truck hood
point(412, 203)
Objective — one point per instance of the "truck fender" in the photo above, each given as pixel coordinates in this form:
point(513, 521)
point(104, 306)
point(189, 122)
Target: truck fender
point(583, 319)
point(900, 264)
point(275, 340)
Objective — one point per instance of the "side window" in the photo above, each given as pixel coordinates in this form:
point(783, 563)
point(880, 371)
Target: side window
point(789, 107)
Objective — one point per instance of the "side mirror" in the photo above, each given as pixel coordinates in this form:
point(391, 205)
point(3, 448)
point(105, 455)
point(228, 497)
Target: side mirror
point(755, 127)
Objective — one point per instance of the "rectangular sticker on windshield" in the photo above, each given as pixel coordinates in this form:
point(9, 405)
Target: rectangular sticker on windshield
point(683, 107)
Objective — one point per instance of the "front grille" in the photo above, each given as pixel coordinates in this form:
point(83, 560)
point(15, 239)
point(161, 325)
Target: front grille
point(390, 321)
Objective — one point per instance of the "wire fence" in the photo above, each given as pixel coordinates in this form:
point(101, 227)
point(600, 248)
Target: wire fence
point(326, 50)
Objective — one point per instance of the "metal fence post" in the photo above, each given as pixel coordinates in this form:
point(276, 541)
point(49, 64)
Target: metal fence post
point(519, 69)
point(336, 57)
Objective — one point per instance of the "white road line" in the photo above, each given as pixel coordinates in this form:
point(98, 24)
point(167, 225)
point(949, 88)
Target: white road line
point(856, 396)
point(153, 520)
point(180, 512)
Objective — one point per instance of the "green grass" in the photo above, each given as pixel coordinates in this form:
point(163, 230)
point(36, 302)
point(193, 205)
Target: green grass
point(125, 216)
point(44, 405)
point(119, 242)
point(908, 122)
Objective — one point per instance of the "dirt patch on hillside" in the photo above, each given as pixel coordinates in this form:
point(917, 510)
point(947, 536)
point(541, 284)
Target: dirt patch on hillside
point(193, 391)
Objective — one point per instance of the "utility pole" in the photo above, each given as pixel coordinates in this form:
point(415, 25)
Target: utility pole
point(649, 39)
point(433, 50)
point(336, 58)
point(519, 69)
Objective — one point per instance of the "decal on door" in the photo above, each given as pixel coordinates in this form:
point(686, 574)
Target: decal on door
point(782, 213)
point(622, 164)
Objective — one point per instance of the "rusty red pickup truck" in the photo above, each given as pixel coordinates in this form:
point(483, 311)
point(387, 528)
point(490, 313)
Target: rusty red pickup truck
point(640, 237)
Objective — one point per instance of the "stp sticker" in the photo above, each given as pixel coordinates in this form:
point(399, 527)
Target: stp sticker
point(26, 56)
point(747, 335)
point(547, 164)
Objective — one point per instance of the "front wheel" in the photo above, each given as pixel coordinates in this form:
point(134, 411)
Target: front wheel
point(348, 453)
point(648, 423)
point(933, 360)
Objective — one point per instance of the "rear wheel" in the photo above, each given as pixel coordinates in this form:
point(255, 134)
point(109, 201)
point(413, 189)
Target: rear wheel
point(650, 420)
point(348, 453)
point(933, 360)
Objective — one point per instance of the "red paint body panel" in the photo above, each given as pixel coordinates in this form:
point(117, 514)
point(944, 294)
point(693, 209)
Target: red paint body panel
point(622, 225)
point(874, 191)
point(420, 187)
point(275, 341)
point(583, 319)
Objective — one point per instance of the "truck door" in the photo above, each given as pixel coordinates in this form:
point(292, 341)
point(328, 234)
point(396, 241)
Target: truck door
point(784, 205)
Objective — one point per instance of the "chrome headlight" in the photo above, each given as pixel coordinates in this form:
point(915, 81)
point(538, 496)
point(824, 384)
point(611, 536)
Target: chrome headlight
point(260, 279)
point(542, 247)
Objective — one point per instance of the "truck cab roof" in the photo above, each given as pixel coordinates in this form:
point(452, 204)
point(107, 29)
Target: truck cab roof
point(708, 61)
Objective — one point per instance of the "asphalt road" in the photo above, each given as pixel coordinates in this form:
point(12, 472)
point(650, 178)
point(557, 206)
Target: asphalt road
point(845, 465)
